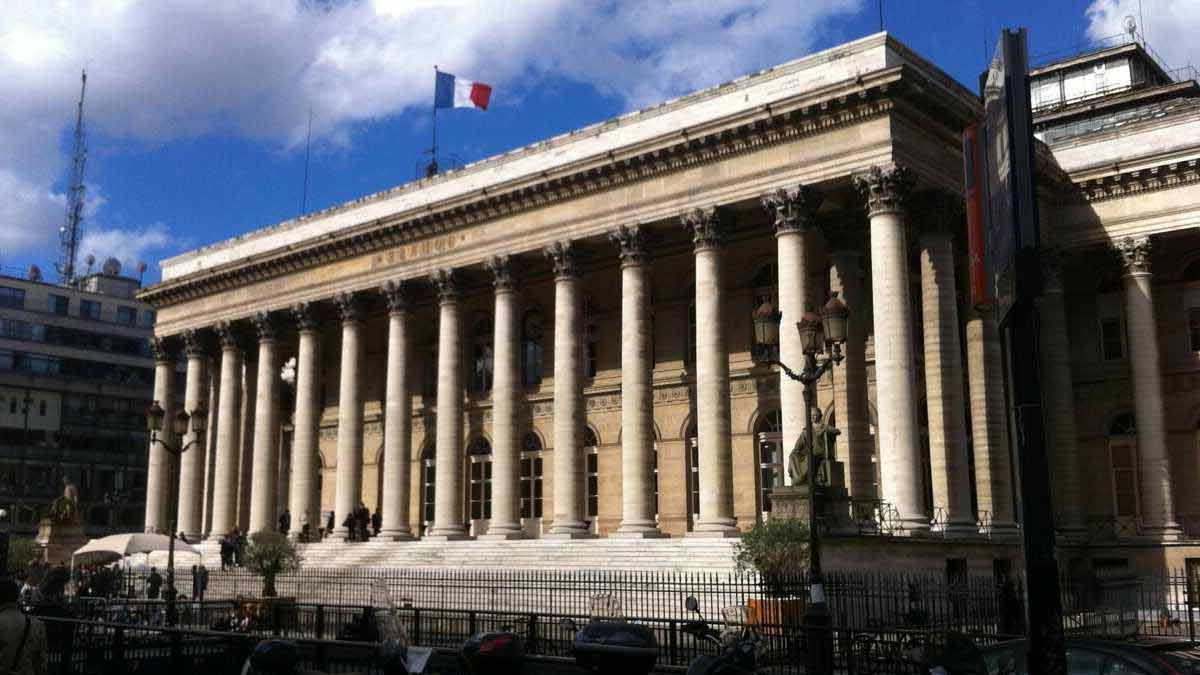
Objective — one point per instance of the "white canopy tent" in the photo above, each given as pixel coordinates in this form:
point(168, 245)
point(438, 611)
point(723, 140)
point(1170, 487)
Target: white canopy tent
point(117, 546)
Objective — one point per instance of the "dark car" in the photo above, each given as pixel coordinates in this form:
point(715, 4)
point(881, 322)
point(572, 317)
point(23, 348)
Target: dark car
point(1103, 657)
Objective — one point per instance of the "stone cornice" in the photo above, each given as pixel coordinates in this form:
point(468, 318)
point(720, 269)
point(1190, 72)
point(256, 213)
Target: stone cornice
point(815, 112)
point(1139, 181)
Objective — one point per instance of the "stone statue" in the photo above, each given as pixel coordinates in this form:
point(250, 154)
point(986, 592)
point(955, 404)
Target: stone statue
point(65, 509)
point(798, 459)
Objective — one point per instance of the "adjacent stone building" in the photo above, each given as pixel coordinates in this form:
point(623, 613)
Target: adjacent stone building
point(558, 342)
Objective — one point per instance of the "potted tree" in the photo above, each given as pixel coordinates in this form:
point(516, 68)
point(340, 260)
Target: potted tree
point(271, 554)
point(777, 549)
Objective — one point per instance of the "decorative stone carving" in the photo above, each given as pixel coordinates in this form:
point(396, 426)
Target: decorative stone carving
point(707, 226)
point(397, 295)
point(792, 209)
point(1135, 254)
point(263, 326)
point(1052, 272)
point(227, 335)
point(562, 256)
point(163, 349)
point(631, 244)
point(193, 343)
point(349, 307)
point(884, 189)
point(305, 315)
point(446, 282)
point(503, 275)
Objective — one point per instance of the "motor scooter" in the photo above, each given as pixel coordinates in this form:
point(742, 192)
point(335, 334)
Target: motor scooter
point(737, 645)
point(610, 644)
point(498, 652)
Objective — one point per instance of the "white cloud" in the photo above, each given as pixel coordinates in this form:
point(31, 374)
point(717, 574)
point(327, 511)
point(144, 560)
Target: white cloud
point(172, 69)
point(130, 246)
point(1170, 26)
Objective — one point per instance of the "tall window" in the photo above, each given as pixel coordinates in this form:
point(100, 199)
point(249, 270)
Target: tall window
point(531, 348)
point(693, 473)
point(1112, 338)
point(89, 309)
point(12, 298)
point(480, 455)
point(766, 289)
point(481, 360)
point(531, 476)
point(126, 315)
point(1122, 451)
point(428, 476)
point(57, 304)
point(590, 444)
point(769, 436)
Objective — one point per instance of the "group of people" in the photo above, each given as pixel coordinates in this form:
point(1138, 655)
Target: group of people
point(233, 549)
point(360, 524)
point(99, 581)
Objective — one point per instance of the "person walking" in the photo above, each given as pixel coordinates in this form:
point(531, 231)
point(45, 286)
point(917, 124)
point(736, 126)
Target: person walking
point(351, 528)
point(304, 527)
point(376, 523)
point(239, 549)
point(153, 584)
point(22, 638)
point(199, 582)
point(285, 522)
point(329, 524)
point(226, 551)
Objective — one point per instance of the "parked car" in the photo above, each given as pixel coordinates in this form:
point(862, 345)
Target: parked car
point(1103, 657)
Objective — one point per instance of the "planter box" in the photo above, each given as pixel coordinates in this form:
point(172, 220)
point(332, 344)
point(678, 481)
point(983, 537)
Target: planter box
point(770, 616)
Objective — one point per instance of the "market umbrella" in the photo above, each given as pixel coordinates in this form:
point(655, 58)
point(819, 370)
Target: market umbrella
point(122, 545)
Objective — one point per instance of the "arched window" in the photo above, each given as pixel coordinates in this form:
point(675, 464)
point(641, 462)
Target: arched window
point(428, 481)
point(591, 339)
point(768, 434)
point(590, 444)
point(481, 358)
point(765, 287)
point(531, 348)
point(693, 473)
point(1122, 452)
point(689, 347)
point(531, 476)
point(480, 454)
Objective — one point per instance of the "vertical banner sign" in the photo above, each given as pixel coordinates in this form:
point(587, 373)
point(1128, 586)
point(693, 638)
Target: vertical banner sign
point(975, 191)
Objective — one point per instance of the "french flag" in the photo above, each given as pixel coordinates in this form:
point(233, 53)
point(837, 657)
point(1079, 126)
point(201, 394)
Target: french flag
point(455, 92)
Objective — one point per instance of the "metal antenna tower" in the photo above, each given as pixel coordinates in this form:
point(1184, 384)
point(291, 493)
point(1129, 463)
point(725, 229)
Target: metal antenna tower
point(71, 232)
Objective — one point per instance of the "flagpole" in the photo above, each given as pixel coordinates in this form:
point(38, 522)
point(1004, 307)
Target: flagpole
point(432, 169)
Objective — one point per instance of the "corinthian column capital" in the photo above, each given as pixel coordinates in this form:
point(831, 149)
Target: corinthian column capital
point(397, 295)
point(503, 274)
point(305, 315)
point(163, 349)
point(194, 344)
point(446, 282)
point(562, 256)
point(1135, 254)
point(792, 209)
point(227, 335)
point(264, 327)
point(707, 225)
point(885, 190)
point(631, 244)
point(349, 307)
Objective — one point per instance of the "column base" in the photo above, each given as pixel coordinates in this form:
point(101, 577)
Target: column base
point(569, 535)
point(501, 536)
point(448, 537)
point(964, 529)
point(1010, 531)
point(1170, 531)
point(654, 533)
point(569, 527)
point(396, 535)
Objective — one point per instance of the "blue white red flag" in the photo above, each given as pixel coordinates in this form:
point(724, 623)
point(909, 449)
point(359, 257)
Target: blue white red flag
point(455, 92)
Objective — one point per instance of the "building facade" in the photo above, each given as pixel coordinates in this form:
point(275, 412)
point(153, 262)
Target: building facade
point(76, 376)
point(558, 341)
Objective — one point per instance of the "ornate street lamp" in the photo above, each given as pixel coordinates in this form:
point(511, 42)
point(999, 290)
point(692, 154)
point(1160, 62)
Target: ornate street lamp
point(819, 333)
point(155, 420)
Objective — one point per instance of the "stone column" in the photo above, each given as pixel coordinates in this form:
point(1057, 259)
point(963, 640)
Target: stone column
point(350, 414)
point(306, 421)
point(568, 394)
point(266, 445)
point(1154, 465)
point(1058, 400)
point(637, 395)
point(989, 422)
point(448, 486)
point(850, 376)
point(159, 470)
point(885, 191)
point(192, 461)
point(397, 418)
point(229, 435)
point(213, 387)
point(713, 428)
point(246, 447)
point(505, 522)
point(940, 216)
point(792, 212)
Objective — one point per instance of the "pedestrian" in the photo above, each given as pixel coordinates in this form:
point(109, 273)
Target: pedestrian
point(226, 551)
point(363, 518)
point(153, 584)
point(304, 528)
point(31, 595)
point(285, 522)
point(351, 530)
point(22, 639)
point(376, 522)
point(240, 549)
point(329, 521)
point(199, 582)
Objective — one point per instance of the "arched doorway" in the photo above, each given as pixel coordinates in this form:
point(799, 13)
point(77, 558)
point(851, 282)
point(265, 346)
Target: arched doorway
point(479, 482)
point(531, 484)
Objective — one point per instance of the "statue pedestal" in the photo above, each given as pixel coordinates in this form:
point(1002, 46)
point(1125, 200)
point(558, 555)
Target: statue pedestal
point(792, 502)
point(59, 540)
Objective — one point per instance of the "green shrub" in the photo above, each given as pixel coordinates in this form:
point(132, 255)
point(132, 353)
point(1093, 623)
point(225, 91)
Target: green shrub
point(778, 550)
point(271, 554)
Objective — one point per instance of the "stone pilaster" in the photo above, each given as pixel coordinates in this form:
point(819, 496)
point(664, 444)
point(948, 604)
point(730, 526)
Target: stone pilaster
point(568, 394)
point(940, 215)
point(885, 192)
point(193, 460)
point(792, 213)
point(448, 500)
point(713, 427)
point(506, 389)
point(160, 468)
point(266, 428)
point(306, 421)
point(1154, 465)
point(397, 427)
point(229, 434)
point(350, 413)
point(989, 423)
point(1058, 399)
point(637, 367)
point(850, 376)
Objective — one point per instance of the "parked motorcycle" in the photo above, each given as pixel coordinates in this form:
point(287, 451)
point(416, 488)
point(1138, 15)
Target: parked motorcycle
point(610, 644)
point(737, 645)
point(495, 651)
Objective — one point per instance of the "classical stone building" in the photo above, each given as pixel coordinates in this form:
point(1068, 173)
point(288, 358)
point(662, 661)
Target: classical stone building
point(557, 342)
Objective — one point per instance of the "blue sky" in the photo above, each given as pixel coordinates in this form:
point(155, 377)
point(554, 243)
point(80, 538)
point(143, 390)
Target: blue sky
point(197, 111)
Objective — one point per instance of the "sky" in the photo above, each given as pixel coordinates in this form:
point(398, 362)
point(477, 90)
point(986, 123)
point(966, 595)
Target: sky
point(197, 111)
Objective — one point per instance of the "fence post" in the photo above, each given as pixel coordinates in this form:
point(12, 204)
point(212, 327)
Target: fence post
point(320, 628)
point(673, 643)
point(416, 631)
point(471, 622)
